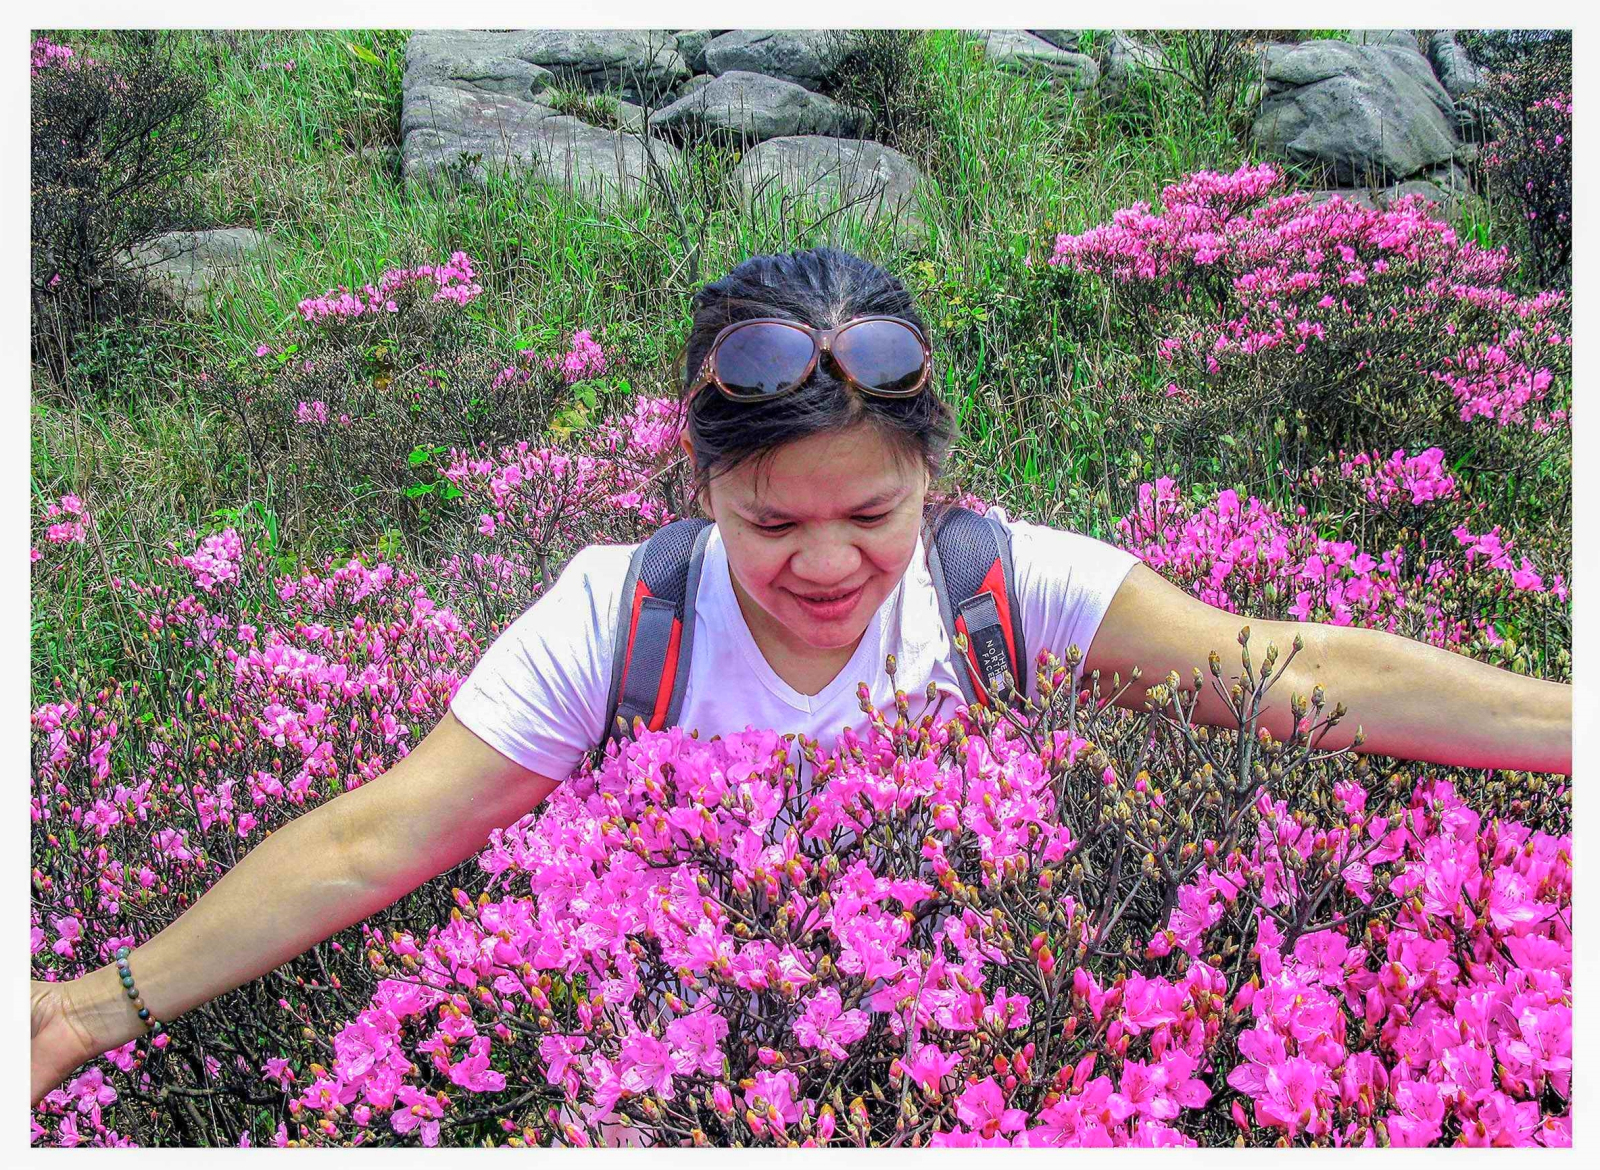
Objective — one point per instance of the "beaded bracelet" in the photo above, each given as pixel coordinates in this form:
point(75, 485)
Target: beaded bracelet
point(133, 992)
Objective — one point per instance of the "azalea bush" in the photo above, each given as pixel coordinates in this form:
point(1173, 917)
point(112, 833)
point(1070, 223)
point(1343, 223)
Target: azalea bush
point(357, 408)
point(115, 148)
point(1530, 166)
point(261, 697)
point(1381, 327)
point(1475, 590)
point(1525, 107)
point(1061, 926)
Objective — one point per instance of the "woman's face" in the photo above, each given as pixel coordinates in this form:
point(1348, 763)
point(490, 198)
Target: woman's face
point(832, 514)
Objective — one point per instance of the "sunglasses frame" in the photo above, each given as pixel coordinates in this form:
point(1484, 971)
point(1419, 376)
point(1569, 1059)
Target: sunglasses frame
point(821, 343)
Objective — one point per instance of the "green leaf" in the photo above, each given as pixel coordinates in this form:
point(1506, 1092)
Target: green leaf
point(412, 491)
point(366, 55)
point(419, 455)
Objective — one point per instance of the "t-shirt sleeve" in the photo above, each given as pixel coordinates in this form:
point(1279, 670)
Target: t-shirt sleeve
point(539, 693)
point(1065, 581)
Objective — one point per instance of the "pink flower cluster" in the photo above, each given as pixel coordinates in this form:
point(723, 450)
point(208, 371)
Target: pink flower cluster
point(1496, 551)
point(1247, 557)
point(1421, 478)
point(216, 561)
point(1457, 1011)
point(67, 522)
point(741, 937)
point(584, 360)
point(311, 413)
point(1228, 277)
point(453, 283)
point(558, 497)
point(45, 54)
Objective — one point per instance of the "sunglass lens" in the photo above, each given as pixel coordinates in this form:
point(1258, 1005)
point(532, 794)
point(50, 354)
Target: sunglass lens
point(882, 355)
point(763, 359)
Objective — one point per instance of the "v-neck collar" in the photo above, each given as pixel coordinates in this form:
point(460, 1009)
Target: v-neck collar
point(718, 577)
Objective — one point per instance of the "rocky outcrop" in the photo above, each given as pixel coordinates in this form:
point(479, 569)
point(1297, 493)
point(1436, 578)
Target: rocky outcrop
point(466, 133)
point(1369, 114)
point(1372, 110)
point(1022, 52)
point(880, 181)
point(749, 107)
point(187, 266)
point(804, 57)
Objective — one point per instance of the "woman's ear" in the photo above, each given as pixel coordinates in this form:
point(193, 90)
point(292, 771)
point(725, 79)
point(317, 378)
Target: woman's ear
point(701, 498)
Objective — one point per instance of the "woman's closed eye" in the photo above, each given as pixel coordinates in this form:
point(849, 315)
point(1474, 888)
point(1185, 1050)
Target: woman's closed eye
point(775, 529)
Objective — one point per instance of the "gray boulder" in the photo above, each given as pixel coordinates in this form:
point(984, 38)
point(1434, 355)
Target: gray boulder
point(1123, 60)
point(697, 82)
point(1462, 80)
point(1061, 38)
point(1450, 62)
point(187, 266)
point(1360, 196)
point(1403, 38)
point(485, 61)
point(637, 65)
point(1021, 52)
point(1370, 114)
point(692, 46)
point(751, 107)
point(881, 181)
point(804, 57)
point(444, 130)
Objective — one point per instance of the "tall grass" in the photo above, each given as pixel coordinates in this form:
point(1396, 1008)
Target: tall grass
point(311, 159)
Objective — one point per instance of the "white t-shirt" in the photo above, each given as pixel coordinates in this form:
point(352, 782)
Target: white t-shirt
point(540, 692)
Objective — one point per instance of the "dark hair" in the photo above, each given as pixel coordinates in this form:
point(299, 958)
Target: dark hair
point(823, 288)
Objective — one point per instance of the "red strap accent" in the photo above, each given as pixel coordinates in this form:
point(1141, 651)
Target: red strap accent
point(995, 582)
point(640, 592)
point(658, 717)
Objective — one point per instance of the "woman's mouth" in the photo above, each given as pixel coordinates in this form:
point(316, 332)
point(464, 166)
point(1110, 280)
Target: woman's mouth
point(831, 607)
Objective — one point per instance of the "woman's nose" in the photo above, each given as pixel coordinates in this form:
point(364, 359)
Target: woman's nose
point(827, 560)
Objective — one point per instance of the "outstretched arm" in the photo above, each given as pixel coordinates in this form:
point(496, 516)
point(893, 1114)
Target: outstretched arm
point(329, 867)
point(1411, 700)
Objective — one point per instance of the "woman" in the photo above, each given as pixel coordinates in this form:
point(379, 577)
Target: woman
point(814, 573)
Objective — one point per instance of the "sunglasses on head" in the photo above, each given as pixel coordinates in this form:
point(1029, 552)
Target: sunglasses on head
point(762, 358)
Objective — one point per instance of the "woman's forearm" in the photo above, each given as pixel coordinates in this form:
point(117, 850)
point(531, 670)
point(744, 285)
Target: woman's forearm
point(288, 893)
point(1419, 702)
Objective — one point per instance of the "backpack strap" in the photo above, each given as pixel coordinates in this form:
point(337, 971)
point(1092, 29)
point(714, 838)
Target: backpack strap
point(655, 628)
point(969, 559)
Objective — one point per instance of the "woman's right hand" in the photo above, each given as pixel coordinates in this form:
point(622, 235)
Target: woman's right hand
point(61, 1041)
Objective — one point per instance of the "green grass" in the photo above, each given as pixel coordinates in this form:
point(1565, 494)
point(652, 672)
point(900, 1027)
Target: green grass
point(308, 155)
